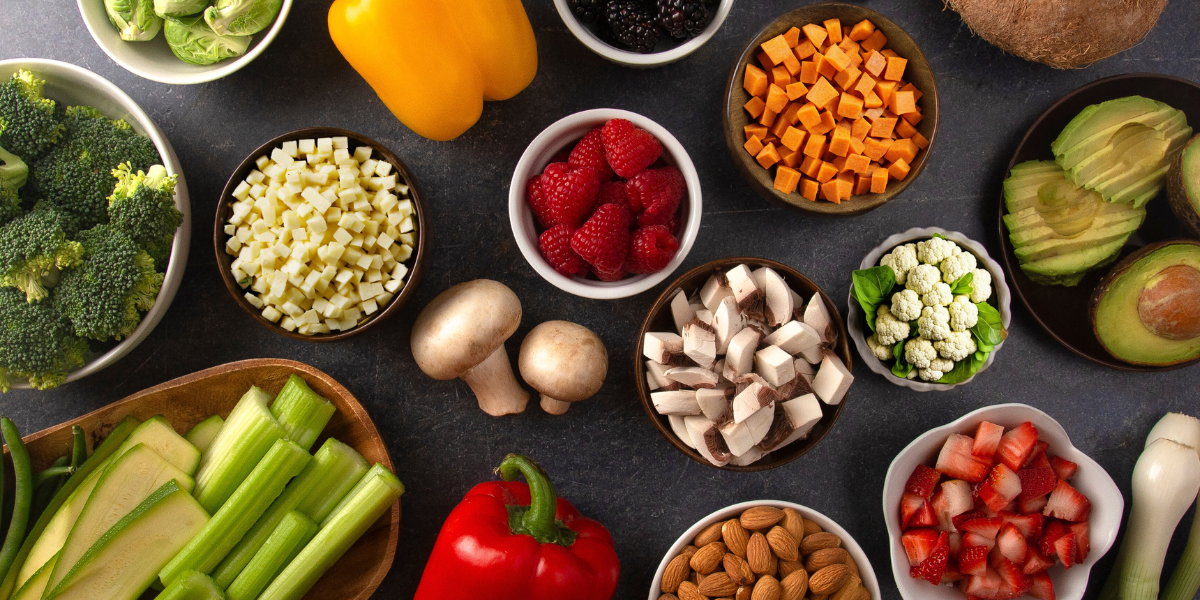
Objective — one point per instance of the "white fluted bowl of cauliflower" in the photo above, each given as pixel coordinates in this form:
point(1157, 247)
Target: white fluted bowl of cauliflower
point(929, 309)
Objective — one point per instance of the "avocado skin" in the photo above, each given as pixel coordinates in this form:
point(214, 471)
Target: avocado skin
point(1113, 308)
point(1177, 190)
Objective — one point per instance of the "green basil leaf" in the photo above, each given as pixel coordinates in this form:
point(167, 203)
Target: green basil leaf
point(913, 330)
point(963, 285)
point(902, 367)
point(965, 368)
point(871, 287)
point(938, 235)
point(989, 330)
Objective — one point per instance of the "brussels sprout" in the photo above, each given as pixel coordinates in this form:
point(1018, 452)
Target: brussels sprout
point(134, 19)
point(179, 8)
point(241, 17)
point(194, 42)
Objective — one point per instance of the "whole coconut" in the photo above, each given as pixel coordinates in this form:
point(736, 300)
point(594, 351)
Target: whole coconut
point(1064, 34)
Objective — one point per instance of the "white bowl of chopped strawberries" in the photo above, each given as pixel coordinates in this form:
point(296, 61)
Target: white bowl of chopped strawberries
point(605, 203)
point(998, 504)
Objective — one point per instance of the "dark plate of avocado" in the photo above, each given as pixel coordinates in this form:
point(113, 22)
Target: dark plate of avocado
point(1064, 311)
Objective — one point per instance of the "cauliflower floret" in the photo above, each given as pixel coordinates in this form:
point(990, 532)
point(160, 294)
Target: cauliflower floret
point(881, 351)
point(958, 265)
point(934, 323)
point(922, 277)
point(940, 295)
point(920, 352)
point(937, 368)
point(934, 250)
point(963, 314)
point(906, 305)
point(900, 259)
point(981, 286)
point(956, 346)
point(912, 374)
point(889, 329)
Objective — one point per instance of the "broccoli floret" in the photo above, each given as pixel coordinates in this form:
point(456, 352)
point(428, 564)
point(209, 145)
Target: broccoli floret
point(10, 205)
point(13, 171)
point(36, 342)
point(31, 246)
point(142, 205)
point(30, 124)
point(76, 175)
point(102, 297)
point(160, 251)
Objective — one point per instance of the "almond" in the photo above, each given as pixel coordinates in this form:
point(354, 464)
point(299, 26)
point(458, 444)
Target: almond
point(688, 551)
point(735, 537)
point(787, 567)
point(773, 568)
point(824, 557)
point(863, 594)
point(668, 597)
point(689, 591)
point(794, 585)
point(718, 584)
point(811, 527)
point(710, 534)
point(743, 593)
point(767, 588)
point(793, 522)
point(828, 580)
point(784, 545)
point(706, 559)
point(819, 541)
point(677, 572)
point(853, 565)
point(849, 591)
point(738, 569)
point(758, 554)
point(760, 517)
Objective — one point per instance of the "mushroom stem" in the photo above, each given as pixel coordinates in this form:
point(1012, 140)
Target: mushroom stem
point(495, 386)
point(554, 406)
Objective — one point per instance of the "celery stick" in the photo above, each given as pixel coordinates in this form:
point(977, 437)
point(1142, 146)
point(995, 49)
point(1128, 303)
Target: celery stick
point(333, 471)
point(203, 434)
point(191, 585)
point(283, 461)
point(301, 411)
point(243, 441)
point(288, 539)
point(372, 498)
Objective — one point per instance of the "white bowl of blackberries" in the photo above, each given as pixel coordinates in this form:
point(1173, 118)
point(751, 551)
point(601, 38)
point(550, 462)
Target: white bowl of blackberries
point(643, 33)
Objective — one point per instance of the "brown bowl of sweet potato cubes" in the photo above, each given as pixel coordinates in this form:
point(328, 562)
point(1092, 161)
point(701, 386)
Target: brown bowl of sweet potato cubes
point(832, 110)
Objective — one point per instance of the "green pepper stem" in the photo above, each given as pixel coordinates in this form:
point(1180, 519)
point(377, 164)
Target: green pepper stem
point(538, 520)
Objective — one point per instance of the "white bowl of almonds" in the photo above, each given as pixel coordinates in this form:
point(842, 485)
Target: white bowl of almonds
point(320, 233)
point(765, 549)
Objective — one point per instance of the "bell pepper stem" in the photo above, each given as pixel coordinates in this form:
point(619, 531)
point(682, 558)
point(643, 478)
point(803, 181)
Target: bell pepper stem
point(538, 519)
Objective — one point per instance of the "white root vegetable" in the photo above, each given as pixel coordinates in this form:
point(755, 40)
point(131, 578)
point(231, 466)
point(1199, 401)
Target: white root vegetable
point(1185, 579)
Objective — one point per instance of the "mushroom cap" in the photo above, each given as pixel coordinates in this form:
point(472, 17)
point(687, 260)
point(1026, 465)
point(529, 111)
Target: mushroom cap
point(563, 360)
point(462, 326)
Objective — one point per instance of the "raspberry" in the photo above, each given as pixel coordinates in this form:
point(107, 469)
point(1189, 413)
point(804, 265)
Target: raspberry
point(613, 192)
point(657, 192)
point(651, 249)
point(603, 241)
point(555, 244)
point(589, 152)
point(614, 275)
point(570, 192)
point(536, 198)
point(629, 149)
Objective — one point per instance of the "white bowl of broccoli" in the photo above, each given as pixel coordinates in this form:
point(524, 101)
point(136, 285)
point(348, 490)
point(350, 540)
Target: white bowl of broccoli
point(104, 322)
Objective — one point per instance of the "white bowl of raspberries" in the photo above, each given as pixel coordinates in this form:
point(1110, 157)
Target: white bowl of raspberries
point(605, 203)
point(998, 504)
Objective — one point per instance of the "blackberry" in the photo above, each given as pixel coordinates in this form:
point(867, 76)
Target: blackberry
point(683, 18)
point(633, 24)
point(587, 11)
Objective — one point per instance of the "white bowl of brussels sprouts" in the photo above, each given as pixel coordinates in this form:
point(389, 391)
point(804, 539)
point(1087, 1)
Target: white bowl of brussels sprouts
point(183, 48)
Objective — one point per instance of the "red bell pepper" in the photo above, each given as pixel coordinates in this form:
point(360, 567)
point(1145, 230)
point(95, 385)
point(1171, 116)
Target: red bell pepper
point(510, 541)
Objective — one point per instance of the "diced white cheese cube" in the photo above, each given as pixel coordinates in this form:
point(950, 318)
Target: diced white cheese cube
point(253, 300)
point(269, 313)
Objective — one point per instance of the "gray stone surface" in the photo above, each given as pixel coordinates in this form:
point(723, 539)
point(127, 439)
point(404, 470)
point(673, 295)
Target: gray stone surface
point(605, 455)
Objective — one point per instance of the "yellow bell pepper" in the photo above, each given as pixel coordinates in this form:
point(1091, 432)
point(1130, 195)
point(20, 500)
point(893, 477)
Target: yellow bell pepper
point(434, 62)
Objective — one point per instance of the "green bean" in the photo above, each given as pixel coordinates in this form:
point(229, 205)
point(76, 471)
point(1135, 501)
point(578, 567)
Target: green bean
point(23, 495)
point(59, 469)
point(79, 448)
point(46, 484)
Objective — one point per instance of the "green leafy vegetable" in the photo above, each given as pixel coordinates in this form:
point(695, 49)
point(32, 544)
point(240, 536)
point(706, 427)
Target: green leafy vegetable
point(134, 19)
point(989, 331)
point(902, 368)
point(871, 288)
point(938, 235)
point(242, 17)
point(963, 285)
point(965, 368)
point(194, 42)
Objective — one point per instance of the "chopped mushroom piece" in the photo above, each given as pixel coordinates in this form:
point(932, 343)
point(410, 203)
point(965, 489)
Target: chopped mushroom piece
point(679, 402)
point(705, 316)
point(750, 457)
point(714, 403)
point(707, 440)
point(832, 380)
point(563, 361)
point(794, 419)
point(748, 296)
point(681, 311)
point(714, 291)
point(779, 303)
point(751, 400)
point(741, 437)
point(794, 337)
point(806, 369)
point(660, 347)
point(700, 344)
point(817, 316)
point(680, 429)
point(774, 365)
point(693, 377)
point(727, 322)
point(739, 357)
point(656, 375)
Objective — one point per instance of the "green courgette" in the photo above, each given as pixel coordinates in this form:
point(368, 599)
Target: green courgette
point(202, 435)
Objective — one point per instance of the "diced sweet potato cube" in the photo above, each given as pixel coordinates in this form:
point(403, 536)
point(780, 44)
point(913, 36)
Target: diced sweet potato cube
point(826, 172)
point(780, 126)
point(792, 37)
point(755, 82)
point(789, 158)
point(874, 63)
point(754, 145)
point(847, 78)
point(792, 64)
point(780, 76)
point(815, 147)
point(901, 150)
point(902, 103)
point(777, 99)
point(872, 113)
point(879, 181)
point(765, 61)
point(885, 89)
point(831, 191)
point(792, 138)
point(904, 129)
point(876, 41)
point(856, 145)
point(889, 53)
point(865, 85)
point(834, 28)
point(809, 166)
point(809, 116)
point(846, 177)
point(839, 163)
point(815, 34)
point(768, 117)
point(895, 69)
point(776, 48)
point(913, 118)
point(825, 68)
point(837, 57)
point(790, 115)
point(882, 127)
point(850, 107)
point(755, 107)
point(786, 179)
point(821, 92)
point(770, 139)
point(920, 140)
point(875, 148)
point(755, 130)
point(872, 101)
point(808, 72)
point(796, 90)
point(809, 189)
point(804, 49)
point(857, 163)
point(839, 142)
point(768, 156)
point(826, 125)
point(859, 129)
point(862, 184)
point(898, 170)
point(908, 87)
point(861, 30)
point(832, 106)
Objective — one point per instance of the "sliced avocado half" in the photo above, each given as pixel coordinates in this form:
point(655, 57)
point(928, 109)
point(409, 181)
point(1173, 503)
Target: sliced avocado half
point(1183, 187)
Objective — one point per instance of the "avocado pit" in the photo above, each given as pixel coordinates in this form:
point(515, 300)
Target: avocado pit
point(1169, 305)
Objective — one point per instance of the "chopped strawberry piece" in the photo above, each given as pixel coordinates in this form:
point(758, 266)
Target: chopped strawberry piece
point(1067, 503)
point(910, 505)
point(1083, 540)
point(1030, 526)
point(1041, 587)
point(987, 439)
point(957, 496)
point(956, 460)
point(1067, 550)
point(1016, 445)
point(967, 516)
point(934, 567)
point(922, 481)
point(1011, 576)
point(1035, 482)
point(924, 517)
point(914, 572)
point(1063, 467)
point(1011, 543)
point(1031, 506)
point(988, 527)
point(984, 586)
point(1039, 452)
point(951, 574)
point(1054, 529)
point(973, 560)
point(1001, 487)
point(971, 540)
point(1036, 562)
point(918, 544)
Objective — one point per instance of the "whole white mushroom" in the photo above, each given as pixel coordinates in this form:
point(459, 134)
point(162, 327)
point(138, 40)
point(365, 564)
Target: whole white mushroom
point(563, 361)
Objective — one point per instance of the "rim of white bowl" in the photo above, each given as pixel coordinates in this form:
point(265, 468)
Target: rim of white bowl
point(855, 315)
point(555, 138)
point(866, 571)
point(143, 124)
point(1098, 480)
point(105, 36)
point(636, 59)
